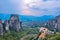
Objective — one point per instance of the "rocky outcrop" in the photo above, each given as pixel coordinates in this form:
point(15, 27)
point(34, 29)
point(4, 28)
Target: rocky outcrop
point(15, 24)
point(1, 28)
point(58, 23)
point(55, 23)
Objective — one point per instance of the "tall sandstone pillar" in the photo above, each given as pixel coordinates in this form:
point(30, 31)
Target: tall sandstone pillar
point(58, 22)
point(1, 28)
point(15, 23)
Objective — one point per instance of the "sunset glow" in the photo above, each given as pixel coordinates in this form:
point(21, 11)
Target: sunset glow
point(31, 7)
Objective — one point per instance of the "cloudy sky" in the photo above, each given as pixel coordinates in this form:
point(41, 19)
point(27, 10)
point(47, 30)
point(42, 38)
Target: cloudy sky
point(30, 7)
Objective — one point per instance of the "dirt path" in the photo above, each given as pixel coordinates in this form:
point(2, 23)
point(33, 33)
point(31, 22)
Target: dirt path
point(30, 35)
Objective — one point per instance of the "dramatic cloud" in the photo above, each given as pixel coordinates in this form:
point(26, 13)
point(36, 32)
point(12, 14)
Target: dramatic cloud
point(30, 7)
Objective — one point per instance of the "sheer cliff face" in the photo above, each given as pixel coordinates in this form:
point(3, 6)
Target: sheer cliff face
point(58, 19)
point(51, 23)
point(14, 18)
point(58, 22)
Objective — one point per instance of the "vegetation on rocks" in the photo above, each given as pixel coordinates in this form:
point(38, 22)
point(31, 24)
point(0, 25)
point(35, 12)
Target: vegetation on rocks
point(18, 35)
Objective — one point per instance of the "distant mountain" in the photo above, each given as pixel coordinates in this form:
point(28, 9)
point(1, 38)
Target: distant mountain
point(24, 18)
point(33, 18)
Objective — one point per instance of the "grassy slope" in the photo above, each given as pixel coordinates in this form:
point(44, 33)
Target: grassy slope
point(17, 36)
point(53, 37)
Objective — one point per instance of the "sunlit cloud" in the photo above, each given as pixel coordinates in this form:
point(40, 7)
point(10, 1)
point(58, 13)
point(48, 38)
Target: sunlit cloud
point(30, 7)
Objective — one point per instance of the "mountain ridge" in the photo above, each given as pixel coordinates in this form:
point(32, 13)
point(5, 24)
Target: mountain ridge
point(25, 18)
